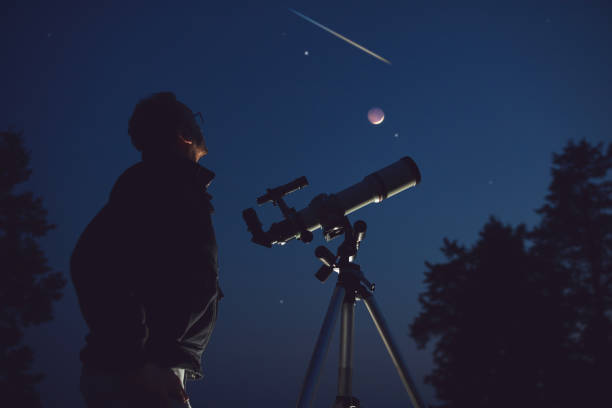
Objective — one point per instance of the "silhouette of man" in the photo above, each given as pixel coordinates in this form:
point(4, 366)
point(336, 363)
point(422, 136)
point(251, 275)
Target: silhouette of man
point(145, 268)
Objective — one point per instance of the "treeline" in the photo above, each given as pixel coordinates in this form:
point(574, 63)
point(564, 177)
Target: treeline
point(523, 318)
point(28, 286)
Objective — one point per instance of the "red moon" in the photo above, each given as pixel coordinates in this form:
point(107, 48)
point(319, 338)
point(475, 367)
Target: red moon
point(376, 116)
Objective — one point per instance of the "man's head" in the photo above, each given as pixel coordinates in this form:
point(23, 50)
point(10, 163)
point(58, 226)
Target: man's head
point(161, 124)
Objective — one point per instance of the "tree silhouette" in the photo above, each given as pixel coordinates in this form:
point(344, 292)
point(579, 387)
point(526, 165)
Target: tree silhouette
point(524, 318)
point(490, 320)
point(27, 285)
point(575, 239)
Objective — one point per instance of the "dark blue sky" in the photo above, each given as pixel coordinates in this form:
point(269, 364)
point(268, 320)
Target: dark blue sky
point(479, 93)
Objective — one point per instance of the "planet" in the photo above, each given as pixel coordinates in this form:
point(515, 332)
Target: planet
point(376, 116)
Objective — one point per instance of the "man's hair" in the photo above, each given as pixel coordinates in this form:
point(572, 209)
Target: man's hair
point(156, 121)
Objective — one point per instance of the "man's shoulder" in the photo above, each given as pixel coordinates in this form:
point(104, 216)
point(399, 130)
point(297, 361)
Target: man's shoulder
point(134, 179)
point(144, 183)
point(133, 173)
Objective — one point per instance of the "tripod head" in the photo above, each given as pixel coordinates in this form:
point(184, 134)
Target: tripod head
point(342, 263)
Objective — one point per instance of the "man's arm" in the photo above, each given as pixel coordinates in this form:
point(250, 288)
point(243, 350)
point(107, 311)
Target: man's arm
point(180, 266)
point(100, 270)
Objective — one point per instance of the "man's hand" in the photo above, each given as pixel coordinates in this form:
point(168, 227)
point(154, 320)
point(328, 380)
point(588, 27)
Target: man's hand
point(154, 386)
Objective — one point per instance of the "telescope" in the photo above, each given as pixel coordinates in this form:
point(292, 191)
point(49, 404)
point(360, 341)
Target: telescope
point(329, 211)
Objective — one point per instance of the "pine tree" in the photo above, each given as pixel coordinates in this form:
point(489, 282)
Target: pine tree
point(489, 321)
point(27, 285)
point(525, 318)
point(575, 238)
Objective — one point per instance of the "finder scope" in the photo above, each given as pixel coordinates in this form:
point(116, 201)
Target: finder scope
point(328, 211)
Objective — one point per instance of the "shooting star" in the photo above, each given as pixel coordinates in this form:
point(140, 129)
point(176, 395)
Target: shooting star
point(340, 36)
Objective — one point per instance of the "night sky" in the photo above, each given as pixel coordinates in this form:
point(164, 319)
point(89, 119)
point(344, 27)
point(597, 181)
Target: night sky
point(479, 94)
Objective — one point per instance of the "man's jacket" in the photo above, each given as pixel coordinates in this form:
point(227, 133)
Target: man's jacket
point(145, 269)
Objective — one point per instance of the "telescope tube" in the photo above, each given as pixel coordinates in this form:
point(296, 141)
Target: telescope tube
point(374, 188)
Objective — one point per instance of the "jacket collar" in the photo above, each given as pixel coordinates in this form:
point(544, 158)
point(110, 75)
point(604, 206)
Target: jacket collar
point(181, 166)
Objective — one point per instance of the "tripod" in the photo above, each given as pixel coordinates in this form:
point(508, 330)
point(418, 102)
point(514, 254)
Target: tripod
point(350, 287)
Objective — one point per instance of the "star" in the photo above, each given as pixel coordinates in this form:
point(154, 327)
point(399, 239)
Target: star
point(282, 301)
point(396, 135)
point(306, 52)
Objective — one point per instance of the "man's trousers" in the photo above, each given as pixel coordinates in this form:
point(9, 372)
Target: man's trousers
point(104, 390)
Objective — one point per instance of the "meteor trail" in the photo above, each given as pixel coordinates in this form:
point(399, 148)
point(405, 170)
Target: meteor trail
point(340, 36)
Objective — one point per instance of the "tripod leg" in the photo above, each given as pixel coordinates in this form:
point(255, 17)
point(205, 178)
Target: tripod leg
point(345, 399)
point(347, 325)
point(383, 330)
point(310, 383)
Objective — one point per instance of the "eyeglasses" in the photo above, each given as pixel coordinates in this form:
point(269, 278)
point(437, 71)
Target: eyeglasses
point(199, 118)
point(199, 121)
